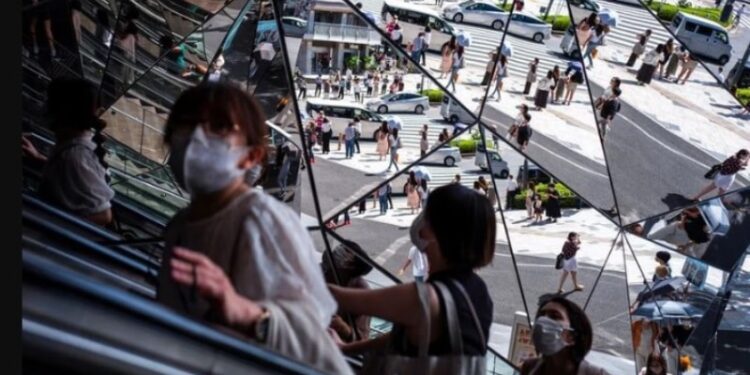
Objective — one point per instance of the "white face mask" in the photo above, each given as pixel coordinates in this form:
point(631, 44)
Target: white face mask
point(547, 336)
point(205, 163)
point(416, 239)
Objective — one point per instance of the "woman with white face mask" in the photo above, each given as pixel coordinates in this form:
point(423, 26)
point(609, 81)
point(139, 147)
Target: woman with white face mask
point(562, 336)
point(244, 245)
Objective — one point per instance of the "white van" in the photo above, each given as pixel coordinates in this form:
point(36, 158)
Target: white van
point(342, 113)
point(454, 113)
point(568, 43)
point(413, 18)
point(702, 37)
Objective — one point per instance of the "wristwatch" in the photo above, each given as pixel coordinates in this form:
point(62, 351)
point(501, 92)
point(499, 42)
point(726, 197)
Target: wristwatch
point(261, 326)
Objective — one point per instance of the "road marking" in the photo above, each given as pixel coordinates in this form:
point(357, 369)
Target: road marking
point(358, 193)
point(678, 153)
point(390, 251)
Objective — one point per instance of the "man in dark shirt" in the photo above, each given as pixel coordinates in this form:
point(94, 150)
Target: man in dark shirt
point(609, 109)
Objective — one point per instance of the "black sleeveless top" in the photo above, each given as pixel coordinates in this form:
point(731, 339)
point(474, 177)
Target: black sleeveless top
point(471, 339)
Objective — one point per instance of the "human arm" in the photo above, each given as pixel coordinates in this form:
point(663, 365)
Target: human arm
point(28, 150)
point(403, 268)
point(363, 346)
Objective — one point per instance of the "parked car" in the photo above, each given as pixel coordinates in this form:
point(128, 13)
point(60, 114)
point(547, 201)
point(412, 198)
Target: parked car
point(742, 73)
point(341, 113)
point(702, 37)
point(568, 43)
point(400, 102)
point(478, 12)
point(454, 113)
point(414, 17)
point(294, 27)
point(499, 166)
point(536, 174)
point(446, 154)
point(530, 26)
point(581, 9)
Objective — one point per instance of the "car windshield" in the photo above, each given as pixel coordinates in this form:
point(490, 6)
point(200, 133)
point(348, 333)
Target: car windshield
point(467, 3)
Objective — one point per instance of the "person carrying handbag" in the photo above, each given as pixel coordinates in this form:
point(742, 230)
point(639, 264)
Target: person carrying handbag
point(440, 326)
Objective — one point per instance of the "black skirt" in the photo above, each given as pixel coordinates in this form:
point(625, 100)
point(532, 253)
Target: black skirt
point(645, 73)
point(540, 99)
point(553, 208)
point(523, 135)
point(631, 59)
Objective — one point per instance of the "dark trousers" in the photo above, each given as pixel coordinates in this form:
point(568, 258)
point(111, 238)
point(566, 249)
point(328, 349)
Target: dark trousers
point(327, 141)
point(422, 153)
point(317, 90)
point(527, 88)
point(302, 93)
point(362, 206)
point(486, 78)
point(341, 92)
point(631, 59)
point(509, 198)
point(356, 142)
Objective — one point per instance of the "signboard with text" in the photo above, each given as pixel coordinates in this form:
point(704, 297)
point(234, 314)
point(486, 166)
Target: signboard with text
point(521, 345)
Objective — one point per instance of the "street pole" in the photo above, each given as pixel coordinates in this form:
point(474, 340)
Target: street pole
point(546, 11)
point(738, 72)
point(525, 172)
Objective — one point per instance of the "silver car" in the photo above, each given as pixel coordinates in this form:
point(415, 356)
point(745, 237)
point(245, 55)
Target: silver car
point(478, 12)
point(447, 155)
point(581, 9)
point(294, 26)
point(400, 102)
point(530, 26)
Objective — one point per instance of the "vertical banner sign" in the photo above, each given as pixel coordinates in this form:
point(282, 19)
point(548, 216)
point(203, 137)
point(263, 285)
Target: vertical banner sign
point(521, 345)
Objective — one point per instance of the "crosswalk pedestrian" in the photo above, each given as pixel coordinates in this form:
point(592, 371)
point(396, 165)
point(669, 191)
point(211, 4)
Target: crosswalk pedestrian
point(634, 21)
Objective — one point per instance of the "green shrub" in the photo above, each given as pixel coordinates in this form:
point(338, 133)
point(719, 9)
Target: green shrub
point(743, 95)
point(469, 145)
point(567, 198)
point(435, 95)
point(667, 12)
point(558, 22)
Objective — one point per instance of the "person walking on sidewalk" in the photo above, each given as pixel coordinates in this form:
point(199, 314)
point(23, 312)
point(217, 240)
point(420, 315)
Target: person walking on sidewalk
point(689, 63)
point(562, 83)
point(412, 194)
point(382, 141)
point(552, 207)
point(417, 47)
point(500, 73)
point(574, 79)
point(650, 61)
point(349, 135)
point(666, 53)
point(457, 62)
point(543, 89)
point(529, 200)
point(510, 192)
point(357, 133)
point(327, 132)
point(524, 132)
point(326, 88)
point(357, 86)
point(595, 40)
point(727, 170)
point(555, 79)
point(418, 262)
point(383, 198)
point(531, 76)
point(610, 107)
point(302, 85)
point(424, 145)
point(674, 62)
point(639, 47)
point(394, 143)
point(488, 68)
point(318, 85)
point(446, 56)
point(426, 46)
point(570, 265)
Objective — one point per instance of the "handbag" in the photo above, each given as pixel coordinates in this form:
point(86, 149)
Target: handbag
point(559, 261)
point(712, 172)
point(388, 362)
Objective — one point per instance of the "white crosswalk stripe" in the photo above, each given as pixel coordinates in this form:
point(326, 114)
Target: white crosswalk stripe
point(485, 40)
point(634, 21)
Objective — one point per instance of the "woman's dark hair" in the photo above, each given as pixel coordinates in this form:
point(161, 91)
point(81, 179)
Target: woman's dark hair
point(663, 256)
point(591, 19)
point(460, 51)
point(658, 358)
point(642, 40)
point(427, 29)
point(550, 74)
point(527, 116)
point(571, 235)
point(71, 106)
point(223, 106)
point(503, 60)
point(579, 323)
point(412, 178)
point(348, 258)
point(659, 48)
point(524, 108)
point(742, 153)
point(464, 225)
point(617, 82)
point(533, 68)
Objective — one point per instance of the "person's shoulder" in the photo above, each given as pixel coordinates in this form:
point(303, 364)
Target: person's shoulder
point(528, 365)
point(586, 368)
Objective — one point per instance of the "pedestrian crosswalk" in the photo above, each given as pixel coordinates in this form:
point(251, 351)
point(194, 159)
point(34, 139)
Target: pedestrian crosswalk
point(485, 40)
point(634, 21)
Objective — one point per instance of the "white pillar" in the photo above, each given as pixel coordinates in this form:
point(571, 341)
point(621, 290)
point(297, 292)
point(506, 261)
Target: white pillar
point(308, 56)
point(340, 57)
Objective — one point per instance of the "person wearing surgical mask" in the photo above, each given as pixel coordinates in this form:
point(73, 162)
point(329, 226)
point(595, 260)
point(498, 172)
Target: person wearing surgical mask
point(235, 255)
point(562, 337)
point(456, 232)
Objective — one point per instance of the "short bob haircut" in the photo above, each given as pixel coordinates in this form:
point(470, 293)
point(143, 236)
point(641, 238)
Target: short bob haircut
point(579, 323)
point(71, 104)
point(464, 225)
point(222, 106)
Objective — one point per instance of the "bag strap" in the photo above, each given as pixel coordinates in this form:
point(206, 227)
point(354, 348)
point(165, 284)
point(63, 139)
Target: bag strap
point(451, 317)
point(473, 312)
point(424, 306)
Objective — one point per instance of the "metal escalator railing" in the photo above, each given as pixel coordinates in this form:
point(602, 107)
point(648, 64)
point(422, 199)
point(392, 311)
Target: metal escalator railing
point(97, 328)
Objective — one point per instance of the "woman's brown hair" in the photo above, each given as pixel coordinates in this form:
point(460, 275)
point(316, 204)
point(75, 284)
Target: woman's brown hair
point(223, 106)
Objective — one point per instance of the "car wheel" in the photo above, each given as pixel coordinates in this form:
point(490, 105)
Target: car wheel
point(453, 119)
point(382, 109)
point(458, 17)
point(497, 25)
point(538, 37)
point(723, 60)
point(419, 109)
point(449, 161)
point(504, 173)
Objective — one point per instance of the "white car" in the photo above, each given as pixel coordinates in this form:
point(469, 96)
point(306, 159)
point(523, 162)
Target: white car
point(530, 26)
point(294, 26)
point(581, 9)
point(447, 155)
point(479, 12)
point(499, 166)
point(400, 102)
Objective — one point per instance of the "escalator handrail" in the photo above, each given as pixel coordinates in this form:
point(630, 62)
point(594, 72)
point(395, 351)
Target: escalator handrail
point(145, 266)
point(85, 286)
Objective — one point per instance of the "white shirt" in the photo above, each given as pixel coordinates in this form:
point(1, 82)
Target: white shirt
point(395, 34)
point(326, 127)
point(427, 38)
point(357, 88)
point(419, 265)
point(75, 179)
point(261, 245)
point(512, 185)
